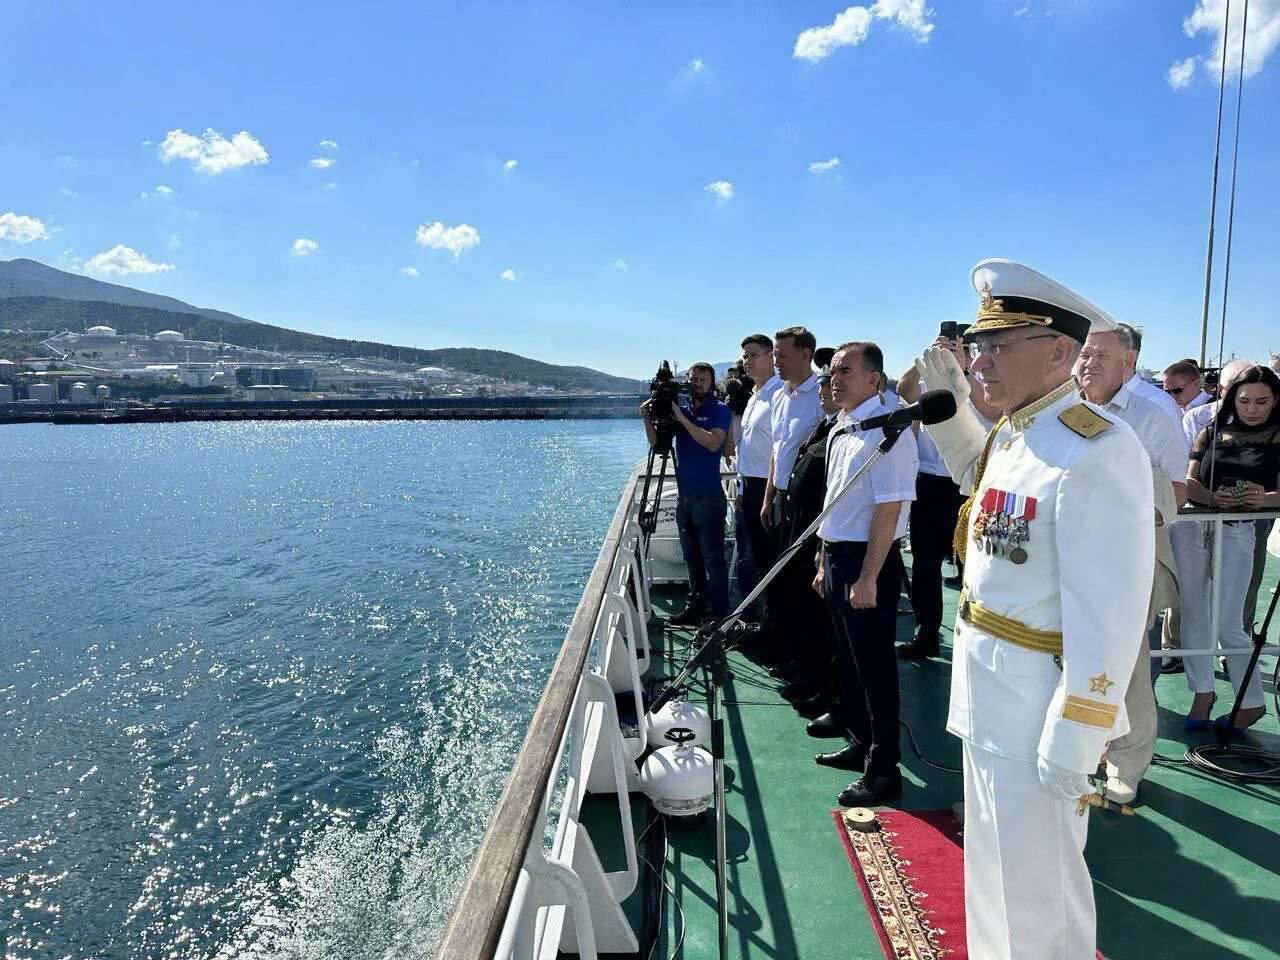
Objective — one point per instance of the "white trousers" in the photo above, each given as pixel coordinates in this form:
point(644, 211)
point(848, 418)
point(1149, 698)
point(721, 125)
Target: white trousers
point(1194, 558)
point(1027, 892)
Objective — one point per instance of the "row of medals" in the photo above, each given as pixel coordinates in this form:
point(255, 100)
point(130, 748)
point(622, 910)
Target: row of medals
point(1000, 535)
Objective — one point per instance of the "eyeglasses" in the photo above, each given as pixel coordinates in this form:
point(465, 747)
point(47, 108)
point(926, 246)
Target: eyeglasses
point(993, 347)
point(1176, 391)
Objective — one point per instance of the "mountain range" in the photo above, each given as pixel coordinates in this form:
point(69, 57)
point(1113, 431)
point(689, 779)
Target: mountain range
point(36, 296)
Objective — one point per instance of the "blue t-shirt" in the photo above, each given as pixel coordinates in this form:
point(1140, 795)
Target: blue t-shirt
point(700, 467)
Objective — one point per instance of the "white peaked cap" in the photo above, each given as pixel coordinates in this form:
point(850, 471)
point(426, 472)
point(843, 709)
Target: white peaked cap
point(1023, 290)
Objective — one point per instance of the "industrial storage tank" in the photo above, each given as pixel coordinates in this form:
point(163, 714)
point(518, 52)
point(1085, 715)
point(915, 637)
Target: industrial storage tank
point(169, 335)
point(103, 392)
point(43, 392)
point(6, 393)
point(80, 393)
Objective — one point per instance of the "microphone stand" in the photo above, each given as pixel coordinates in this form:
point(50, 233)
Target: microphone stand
point(711, 655)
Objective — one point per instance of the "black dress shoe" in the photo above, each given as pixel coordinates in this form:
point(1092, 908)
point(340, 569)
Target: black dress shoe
point(801, 688)
point(955, 583)
point(849, 757)
point(827, 725)
point(868, 789)
point(918, 649)
point(1171, 665)
point(688, 617)
point(812, 708)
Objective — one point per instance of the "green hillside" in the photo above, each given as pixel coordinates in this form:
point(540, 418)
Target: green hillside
point(52, 313)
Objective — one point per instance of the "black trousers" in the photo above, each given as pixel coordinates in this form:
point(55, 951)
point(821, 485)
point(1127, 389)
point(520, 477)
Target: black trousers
point(804, 626)
point(866, 661)
point(933, 524)
point(764, 545)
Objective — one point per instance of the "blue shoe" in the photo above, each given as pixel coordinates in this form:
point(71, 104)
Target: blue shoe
point(1193, 725)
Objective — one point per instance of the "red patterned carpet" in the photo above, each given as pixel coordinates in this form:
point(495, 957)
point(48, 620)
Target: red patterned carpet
point(911, 873)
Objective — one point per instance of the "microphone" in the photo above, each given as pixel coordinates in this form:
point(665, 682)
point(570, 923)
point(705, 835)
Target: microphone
point(934, 406)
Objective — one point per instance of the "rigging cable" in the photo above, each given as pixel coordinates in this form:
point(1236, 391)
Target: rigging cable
point(1213, 189)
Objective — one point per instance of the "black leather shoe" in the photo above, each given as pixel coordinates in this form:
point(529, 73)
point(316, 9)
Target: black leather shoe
point(688, 617)
point(812, 708)
point(918, 649)
point(869, 789)
point(801, 688)
point(1171, 665)
point(824, 726)
point(849, 757)
point(955, 583)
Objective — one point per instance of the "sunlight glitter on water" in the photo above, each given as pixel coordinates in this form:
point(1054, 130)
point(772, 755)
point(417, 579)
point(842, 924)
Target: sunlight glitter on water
point(265, 680)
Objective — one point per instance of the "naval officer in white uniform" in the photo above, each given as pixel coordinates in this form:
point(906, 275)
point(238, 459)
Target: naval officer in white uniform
point(1060, 559)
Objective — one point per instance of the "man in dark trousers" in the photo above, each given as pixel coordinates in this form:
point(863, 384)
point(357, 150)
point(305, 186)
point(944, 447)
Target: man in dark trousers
point(860, 573)
point(809, 672)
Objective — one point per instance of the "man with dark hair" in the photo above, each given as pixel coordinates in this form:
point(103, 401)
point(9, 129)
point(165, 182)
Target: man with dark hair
point(1182, 382)
point(755, 450)
point(860, 572)
point(700, 515)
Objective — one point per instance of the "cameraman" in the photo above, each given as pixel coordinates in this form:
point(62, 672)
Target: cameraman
point(700, 516)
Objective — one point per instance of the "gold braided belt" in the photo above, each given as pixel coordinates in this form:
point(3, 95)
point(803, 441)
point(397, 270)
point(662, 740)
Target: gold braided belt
point(1009, 630)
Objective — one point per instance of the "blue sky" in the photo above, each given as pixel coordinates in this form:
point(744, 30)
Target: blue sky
point(1075, 135)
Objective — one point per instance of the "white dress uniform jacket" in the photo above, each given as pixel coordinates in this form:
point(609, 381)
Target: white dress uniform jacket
point(1087, 575)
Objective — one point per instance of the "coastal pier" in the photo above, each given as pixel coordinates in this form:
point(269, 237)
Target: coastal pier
point(588, 407)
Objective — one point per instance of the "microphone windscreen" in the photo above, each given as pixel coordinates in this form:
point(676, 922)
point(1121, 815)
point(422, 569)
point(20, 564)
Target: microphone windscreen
point(936, 406)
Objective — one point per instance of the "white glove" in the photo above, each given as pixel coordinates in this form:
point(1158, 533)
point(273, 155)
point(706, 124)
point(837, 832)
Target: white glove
point(1062, 783)
point(939, 370)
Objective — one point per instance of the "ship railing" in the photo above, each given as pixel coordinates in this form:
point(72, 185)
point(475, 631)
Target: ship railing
point(1213, 521)
point(537, 886)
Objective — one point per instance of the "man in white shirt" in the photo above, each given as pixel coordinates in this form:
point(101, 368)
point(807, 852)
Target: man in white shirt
point(860, 573)
point(755, 450)
point(1145, 387)
point(1182, 382)
point(1103, 371)
point(795, 409)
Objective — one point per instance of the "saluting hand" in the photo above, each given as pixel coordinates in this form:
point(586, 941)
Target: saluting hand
point(862, 595)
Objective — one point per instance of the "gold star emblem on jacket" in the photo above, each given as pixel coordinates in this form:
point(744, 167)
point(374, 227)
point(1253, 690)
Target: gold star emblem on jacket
point(1100, 684)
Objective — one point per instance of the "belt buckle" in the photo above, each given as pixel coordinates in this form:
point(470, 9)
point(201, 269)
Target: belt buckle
point(964, 609)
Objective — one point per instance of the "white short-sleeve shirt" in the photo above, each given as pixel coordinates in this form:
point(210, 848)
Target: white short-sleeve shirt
point(795, 414)
point(893, 478)
point(755, 446)
point(1163, 442)
point(1148, 389)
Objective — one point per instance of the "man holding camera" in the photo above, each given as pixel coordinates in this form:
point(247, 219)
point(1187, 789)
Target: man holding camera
point(700, 431)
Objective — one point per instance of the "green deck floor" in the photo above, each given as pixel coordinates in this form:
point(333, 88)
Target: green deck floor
point(1195, 875)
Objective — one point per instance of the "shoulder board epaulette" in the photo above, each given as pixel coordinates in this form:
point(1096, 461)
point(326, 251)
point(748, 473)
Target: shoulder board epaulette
point(1082, 420)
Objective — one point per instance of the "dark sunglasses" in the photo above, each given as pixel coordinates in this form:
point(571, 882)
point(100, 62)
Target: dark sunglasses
point(1176, 391)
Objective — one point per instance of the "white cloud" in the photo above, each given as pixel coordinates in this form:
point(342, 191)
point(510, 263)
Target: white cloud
point(212, 153)
point(159, 191)
point(1208, 16)
point(722, 189)
point(458, 240)
point(331, 185)
point(175, 241)
point(328, 144)
point(510, 276)
point(621, 264)
point(148, 143)
point(506, 167)
point(851, 27)
point(321, 163)
point(68, 192)
point(121, 260)
point(696, 65)
point(303, 247)
point(1180, 73)
point(409, 271)
point(822, 166)
point(16, 228)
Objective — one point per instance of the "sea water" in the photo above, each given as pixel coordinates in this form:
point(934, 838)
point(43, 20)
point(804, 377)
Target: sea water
point(261, 683)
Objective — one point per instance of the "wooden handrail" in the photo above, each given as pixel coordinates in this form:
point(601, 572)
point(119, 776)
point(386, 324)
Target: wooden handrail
point(481, 909)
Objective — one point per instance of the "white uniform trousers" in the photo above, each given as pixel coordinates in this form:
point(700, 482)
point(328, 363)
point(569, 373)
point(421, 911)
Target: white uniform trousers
point(1027, 892)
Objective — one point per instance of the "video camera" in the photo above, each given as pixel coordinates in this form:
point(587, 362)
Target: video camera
point(737, 392)
point(664, 396)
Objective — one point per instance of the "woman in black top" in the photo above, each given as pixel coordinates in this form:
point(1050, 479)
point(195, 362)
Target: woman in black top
point(1235, 465)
